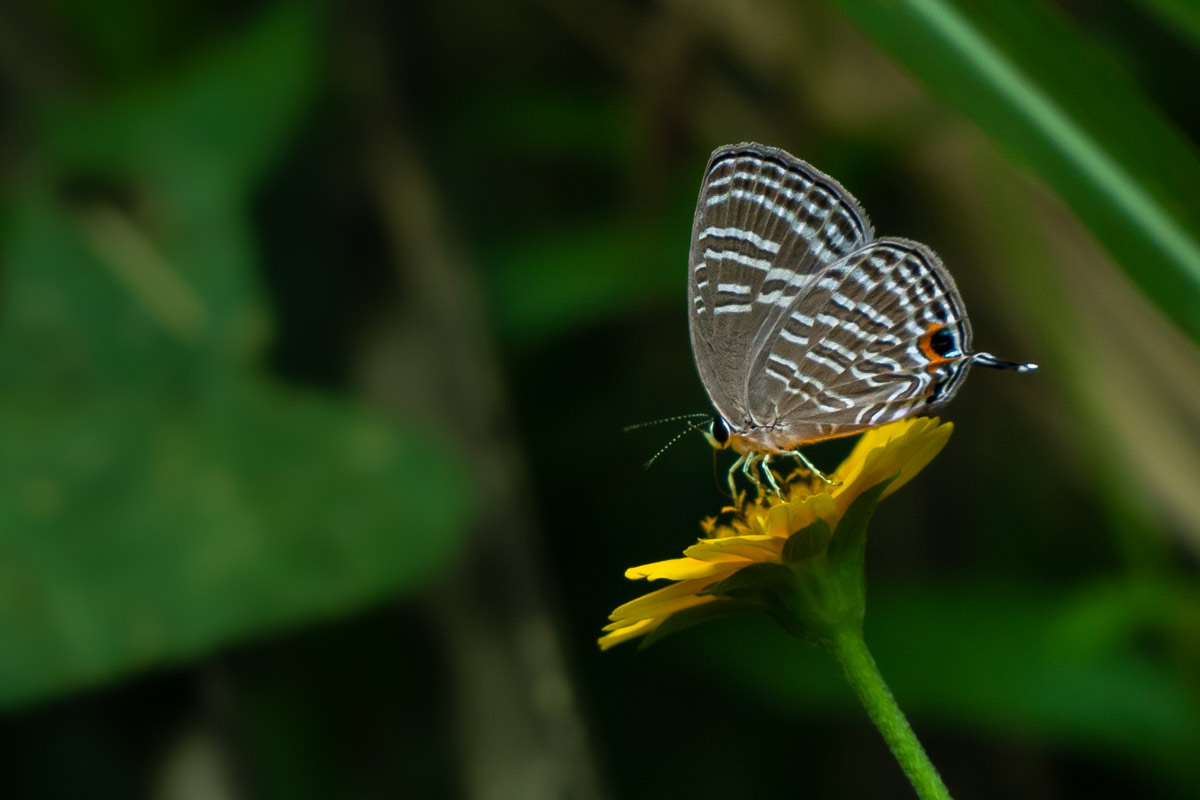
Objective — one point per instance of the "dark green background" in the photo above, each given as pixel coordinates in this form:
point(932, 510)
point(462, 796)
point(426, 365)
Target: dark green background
point(319, 324)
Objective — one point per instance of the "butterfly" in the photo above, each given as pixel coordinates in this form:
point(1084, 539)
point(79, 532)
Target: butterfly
point(805, 326)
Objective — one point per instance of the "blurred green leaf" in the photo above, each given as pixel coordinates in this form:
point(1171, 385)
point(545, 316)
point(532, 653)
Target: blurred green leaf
point(1033, 84)
point(1106, 615)
point(546, 121)
point(137, 531)
point(121, 37)
point(1182, 17)
point(992, 658)
point(189, 147)
point(544, 285)
point(208, 129)
point(161, 497)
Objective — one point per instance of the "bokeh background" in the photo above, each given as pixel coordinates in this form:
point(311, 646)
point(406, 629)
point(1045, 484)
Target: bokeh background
point(320, 322)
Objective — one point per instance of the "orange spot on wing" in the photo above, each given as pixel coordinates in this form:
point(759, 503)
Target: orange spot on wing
point(935, 360)
point(926, 345)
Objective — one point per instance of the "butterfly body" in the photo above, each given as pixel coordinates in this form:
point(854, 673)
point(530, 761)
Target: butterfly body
point(805, 326)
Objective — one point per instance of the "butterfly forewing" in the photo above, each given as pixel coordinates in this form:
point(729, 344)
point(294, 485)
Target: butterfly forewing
point(768, 227)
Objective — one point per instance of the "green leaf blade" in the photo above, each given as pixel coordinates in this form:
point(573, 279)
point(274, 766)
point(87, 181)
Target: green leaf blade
point(1035, 86)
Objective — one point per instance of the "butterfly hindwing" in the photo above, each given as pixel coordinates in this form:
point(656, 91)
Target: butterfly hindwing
point(861, 345)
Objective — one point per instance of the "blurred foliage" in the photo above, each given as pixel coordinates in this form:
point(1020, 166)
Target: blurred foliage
point(1020, 72)
point(203, 475)
point(1181, 16)
point(1059, 669)
point(166, 497)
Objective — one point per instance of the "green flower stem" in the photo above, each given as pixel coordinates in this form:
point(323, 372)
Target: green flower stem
point(851, 652)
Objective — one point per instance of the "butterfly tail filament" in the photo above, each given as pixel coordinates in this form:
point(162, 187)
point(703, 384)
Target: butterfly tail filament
point(989, 360)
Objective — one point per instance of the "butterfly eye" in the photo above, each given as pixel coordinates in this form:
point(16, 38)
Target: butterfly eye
point(720, 431)
point(942, 343)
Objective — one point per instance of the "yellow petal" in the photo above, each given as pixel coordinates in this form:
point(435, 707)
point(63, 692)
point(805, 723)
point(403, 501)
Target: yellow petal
point(802, 514)
point(668, 600)
point(639, 628)
point(851, 469)
point(679, 569)
point(756, 531)
point(735, 548)
point(932, 443)
point(905, 446)
point(626, 626)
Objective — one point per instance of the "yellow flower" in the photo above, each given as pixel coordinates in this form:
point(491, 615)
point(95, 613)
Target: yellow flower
point(757, 531)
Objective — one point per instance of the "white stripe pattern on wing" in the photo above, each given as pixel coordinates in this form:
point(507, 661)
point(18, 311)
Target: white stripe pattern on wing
point(869, 378)
point(857, 332)
point(778, 359)
point(778, 298)
point(890, 364)
point(825, 362)
point(834, 347)
point(762, 180)
point(744, 260)
point(839, 397)
point(870, 313)
point(783, 274)
point(783, 212)
point(742, 235)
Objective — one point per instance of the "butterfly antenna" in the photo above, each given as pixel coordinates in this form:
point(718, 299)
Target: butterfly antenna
point(675, 418)
point(690, 427)
point(989, 360)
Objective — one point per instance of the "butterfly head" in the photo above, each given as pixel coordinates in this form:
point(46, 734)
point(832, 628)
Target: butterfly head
point(718, 433)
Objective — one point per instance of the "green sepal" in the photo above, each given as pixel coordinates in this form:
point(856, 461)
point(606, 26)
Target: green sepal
point(752, 580)
point(807, 542)
point(850, 540)
point(826, 594)
point(805, 627)
point(682, 620)
point(759, 587)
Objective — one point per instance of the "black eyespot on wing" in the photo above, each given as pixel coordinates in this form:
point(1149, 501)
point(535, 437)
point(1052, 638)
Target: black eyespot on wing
point(942, 342)
point(720, 431)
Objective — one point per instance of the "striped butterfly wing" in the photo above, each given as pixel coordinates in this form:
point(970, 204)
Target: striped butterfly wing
point(767, 227)
point(876, 339)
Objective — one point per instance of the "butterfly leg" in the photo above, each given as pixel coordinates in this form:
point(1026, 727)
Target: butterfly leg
point(732, 485)
point(766, 468)
point(748, 470)
point(828, 481)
